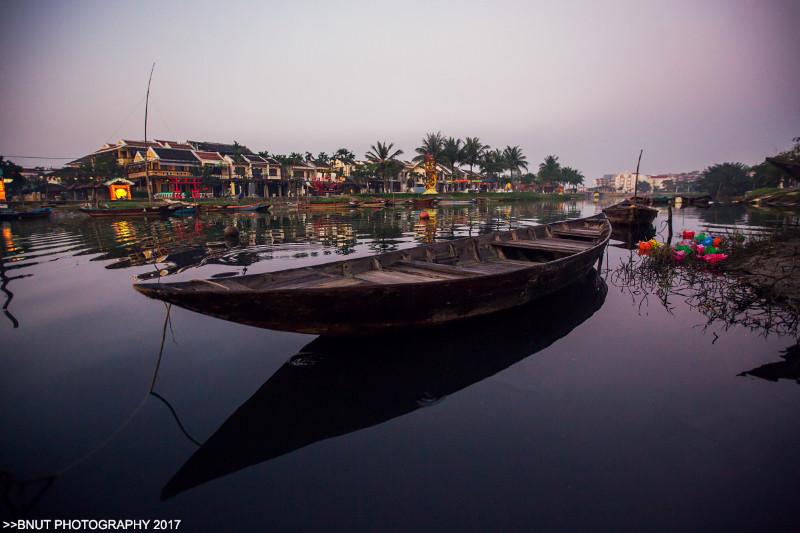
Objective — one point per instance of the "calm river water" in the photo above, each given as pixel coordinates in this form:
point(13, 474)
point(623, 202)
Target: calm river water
point(601, 408)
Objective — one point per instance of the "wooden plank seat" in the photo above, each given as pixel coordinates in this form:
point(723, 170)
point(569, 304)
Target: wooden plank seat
point(494, 266)
point(550, 245)
point(578, 232)
point(387, 276)
point(451, 270)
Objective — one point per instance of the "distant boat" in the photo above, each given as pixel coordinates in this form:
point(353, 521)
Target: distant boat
point(457, 202)
point(160, 210)
point(379, 204)
point(239, 208)
point(630, 213)
point(423, 286)
point(424, 202)
point(12, 214)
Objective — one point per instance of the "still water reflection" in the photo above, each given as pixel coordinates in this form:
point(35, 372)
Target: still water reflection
point(590, 410)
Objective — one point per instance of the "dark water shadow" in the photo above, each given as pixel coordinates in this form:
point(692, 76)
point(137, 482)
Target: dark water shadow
point(335, 386)
point(789, 368)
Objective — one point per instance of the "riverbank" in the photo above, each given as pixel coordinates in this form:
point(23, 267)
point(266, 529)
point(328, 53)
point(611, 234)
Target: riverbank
point(785, 198)
point(770, 265)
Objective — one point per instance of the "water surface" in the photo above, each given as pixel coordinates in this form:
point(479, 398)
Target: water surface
point(600, 408)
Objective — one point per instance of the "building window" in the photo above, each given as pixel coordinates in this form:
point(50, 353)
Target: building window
point(273, 171)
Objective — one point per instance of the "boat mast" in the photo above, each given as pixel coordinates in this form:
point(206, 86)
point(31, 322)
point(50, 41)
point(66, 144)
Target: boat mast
point(146, 148)
point(635, 183)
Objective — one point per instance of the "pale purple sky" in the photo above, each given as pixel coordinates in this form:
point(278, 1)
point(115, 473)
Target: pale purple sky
point(692, 82)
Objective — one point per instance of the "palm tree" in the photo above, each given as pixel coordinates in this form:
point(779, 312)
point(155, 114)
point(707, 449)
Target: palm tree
point(550, 170)
point(515, 160)
point(385, 160)
point(287, 162)
point(473, 151)
point(572, 177)
point(492, 162)
point(433, 144)
point(452, 152)
point(345, 156)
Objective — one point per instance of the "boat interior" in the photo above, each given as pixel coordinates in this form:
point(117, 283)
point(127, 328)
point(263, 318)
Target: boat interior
point(493, 253)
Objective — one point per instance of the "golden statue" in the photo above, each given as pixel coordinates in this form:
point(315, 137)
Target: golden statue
point(430, 174)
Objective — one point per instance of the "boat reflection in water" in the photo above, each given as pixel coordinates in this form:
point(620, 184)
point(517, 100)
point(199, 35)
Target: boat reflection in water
point(335, 385)
point(629, 236)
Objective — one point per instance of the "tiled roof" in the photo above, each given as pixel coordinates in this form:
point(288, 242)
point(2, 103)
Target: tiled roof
point(227, 149)
point(208, 156)
point(170, 154)
point(140, 144)
point(251, 158)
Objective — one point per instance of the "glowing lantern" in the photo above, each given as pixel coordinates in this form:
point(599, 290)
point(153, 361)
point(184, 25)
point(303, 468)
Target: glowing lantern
point(119, 189)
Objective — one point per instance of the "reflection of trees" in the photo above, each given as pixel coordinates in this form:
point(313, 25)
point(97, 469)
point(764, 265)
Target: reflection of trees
point(722, 299)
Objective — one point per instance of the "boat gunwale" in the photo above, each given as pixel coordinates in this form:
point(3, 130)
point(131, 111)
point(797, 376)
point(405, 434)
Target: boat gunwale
point(179, 287)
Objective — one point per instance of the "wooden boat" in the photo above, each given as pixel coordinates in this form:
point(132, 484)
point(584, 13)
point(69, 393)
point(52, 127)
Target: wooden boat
point(424, 202)
point(457, 202)
point(335, 386)
point(243, 208)
point(160, 210)
point(380, 204)
point(423, 286)
point(12, 214)
point(630, 213)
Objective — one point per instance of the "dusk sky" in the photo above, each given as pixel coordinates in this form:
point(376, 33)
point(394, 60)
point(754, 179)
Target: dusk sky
point(692, 82)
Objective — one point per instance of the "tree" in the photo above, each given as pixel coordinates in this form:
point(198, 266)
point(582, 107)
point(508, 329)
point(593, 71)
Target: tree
point(452, 152)
point(514, 160)
point(570, 176)
point(287, 162)
point(549, 171)
point(238, 150)
point(433, 144)
point(345, 156)
point(12, 171)
point(362, 173)
point(473, 151)
point(322, 159)
point(725, 180)
point(384, 157)
point(644, 186)
point(492, 163)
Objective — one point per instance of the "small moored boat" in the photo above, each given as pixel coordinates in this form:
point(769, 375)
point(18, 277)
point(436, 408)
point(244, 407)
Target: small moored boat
point(423, 286)
point(160, 210)
point(237, 208)
point(630, 213)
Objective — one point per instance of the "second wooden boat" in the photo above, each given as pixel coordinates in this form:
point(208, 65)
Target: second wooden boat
point(630, 213)
point(237, 208)
point(423, 286)
point(161, 210)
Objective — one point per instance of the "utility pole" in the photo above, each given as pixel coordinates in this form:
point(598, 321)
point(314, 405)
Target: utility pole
point(146, 148)
point(636, 182)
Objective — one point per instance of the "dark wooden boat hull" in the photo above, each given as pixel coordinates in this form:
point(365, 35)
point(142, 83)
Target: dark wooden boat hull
point(358, 308)
point(253, 208)
point(138, 212)
point(629, 214)
point(424, 202)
